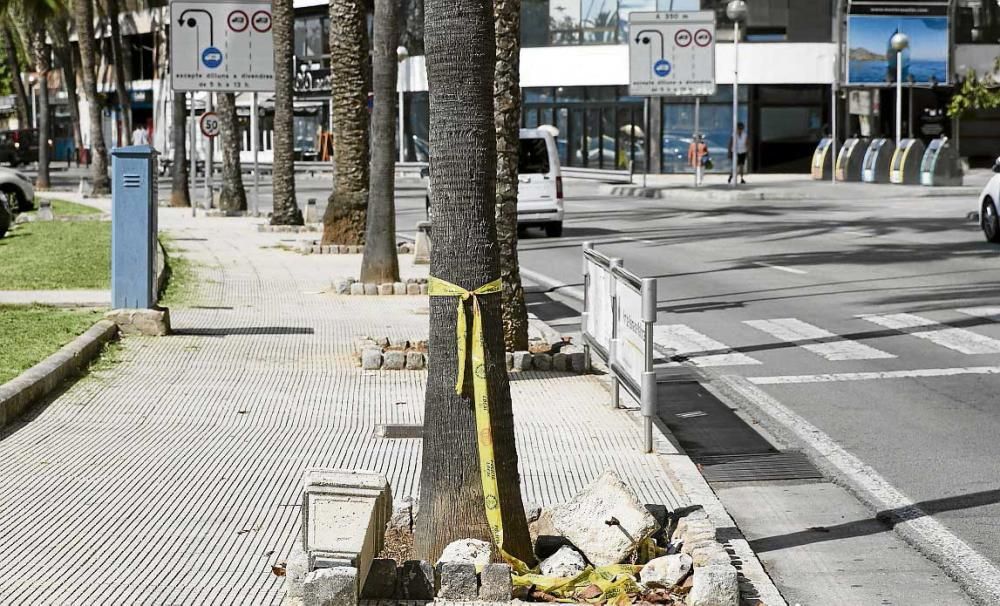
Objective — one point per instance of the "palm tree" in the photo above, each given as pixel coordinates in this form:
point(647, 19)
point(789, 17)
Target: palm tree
point(31, 18)
point(58, 29)
point(507, 117)
point(112, 10)
point(286, 210)
point(9, 49)
point(465, 254)
point(180, 194)
point(233, 196)
point(83, 15)
point(344, 219)
point(380, 263)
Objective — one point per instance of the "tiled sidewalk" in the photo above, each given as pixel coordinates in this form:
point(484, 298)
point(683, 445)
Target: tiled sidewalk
point(173, 476)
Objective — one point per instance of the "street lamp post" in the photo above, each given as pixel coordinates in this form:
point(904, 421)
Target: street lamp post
point(401, 55)
point(899, 42)
point(736, 10)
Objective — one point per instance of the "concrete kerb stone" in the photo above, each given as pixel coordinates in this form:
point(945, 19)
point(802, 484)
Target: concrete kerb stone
point(346, 285)
point(311, 246)
point(35, 383)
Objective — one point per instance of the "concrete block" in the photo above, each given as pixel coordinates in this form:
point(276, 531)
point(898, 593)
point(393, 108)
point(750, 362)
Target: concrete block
point(336, 249)
point(383, 342)
point(560, 361)
point(577, 362)
point(710, 553)
point(342, 286)
point(146, 322)
point(666, 570)
point(399, 288)
point(296, 567)
point(423, 289)
point(381, 581)
point(371, 358)
point(331, 587)
point(468, 551)
point(605, 521)
point(357, 249)
point(385, 289)
point(357, 288)
point(509, 360)
point(371, 288)
point(412, 288)
point(416, 580)
point(344, 513)
point(457, 581)
point(393, 360)
point(522, 360)
point(567, 562)
point(414, 360)
point(317, 249)
point(541, 361)
point(495, 583)
point(715, 586)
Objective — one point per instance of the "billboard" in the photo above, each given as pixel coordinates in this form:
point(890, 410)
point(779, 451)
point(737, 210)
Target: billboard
point(871, 60)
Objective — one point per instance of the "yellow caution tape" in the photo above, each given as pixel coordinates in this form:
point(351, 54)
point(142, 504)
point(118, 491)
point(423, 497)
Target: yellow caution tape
point(615, 582)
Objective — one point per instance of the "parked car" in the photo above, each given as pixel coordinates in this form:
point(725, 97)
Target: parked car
point(18, 146)
point(539, 188)
point(989, 200)
point(6, 215)
point(18, 190)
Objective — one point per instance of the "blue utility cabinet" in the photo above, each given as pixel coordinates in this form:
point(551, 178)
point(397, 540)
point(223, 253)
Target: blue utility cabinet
point(133, 227)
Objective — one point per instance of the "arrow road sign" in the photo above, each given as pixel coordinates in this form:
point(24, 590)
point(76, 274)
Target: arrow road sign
point(672, 54)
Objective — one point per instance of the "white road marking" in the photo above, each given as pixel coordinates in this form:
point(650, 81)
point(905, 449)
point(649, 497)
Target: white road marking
point(790, 270)
point(692, 414)
point(957, 339)
point(990, 313)
point(686, 341)
point(792, 330)
point(874, 376)
point(976, 574)
point(639, 240)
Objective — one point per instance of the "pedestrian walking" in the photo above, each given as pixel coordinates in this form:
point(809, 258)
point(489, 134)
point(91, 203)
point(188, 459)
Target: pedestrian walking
point(741, 151)
point(140, 136)
point(698, 158)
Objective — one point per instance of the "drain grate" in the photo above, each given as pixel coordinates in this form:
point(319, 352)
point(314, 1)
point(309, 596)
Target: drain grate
point(758, 467)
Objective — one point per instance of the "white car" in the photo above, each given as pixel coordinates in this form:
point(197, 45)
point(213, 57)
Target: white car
point(17, 187)
point(989, 202)
point(539, 187)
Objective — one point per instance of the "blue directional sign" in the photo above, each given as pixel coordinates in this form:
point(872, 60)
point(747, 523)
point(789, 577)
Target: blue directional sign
point(211, 57)
point(662, 68)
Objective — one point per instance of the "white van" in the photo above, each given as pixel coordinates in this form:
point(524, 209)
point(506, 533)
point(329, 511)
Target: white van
point(539, 188)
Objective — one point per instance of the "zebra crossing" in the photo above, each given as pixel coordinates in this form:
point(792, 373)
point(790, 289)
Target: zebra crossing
point(682, 343)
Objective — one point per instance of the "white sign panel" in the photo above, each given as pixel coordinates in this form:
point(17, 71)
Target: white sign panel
point(599, 293)
point(630, 347)
point(221, 46)
point(671, 54)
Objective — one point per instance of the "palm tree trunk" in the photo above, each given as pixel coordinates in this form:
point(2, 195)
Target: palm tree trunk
point(465, 253)
point(42, 65)
point(65, 56)
point(344, 219)
point(286, 209)
point(380, 263)
point(233, 196)
point(9, 49)
point(180, 195)
point(118, 56)
point(83, 15)
point(507, 117)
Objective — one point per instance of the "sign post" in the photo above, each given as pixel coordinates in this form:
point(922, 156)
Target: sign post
point(671, 54)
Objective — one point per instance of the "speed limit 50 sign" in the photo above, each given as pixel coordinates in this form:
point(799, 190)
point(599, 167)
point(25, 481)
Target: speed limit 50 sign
point(209, 124)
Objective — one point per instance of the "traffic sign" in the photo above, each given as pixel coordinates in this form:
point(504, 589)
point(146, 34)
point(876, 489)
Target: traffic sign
point(209, 124)
point(671, 54)
point(221, 46)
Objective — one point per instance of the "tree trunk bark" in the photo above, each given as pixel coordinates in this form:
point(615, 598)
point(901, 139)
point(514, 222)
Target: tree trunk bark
point(9, 49)
point(465, 253)
point(507, 117)
point(233, 196)
point(345, 216)
point(380, 263)
point(118, 56)
point(286, 209)
point(83, 15)
point(41, 52)
point(64, 54)
point(180, 195)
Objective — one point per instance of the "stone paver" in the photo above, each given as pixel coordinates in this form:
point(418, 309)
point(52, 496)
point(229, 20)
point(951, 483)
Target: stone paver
point(173, 477)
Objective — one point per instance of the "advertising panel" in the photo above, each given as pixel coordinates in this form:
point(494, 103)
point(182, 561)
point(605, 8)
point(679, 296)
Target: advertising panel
point(599, 313)
point(630, 348)
point(871, 59)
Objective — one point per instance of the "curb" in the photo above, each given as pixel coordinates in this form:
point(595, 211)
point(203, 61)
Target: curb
point(706, 194)
point(19, 393)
